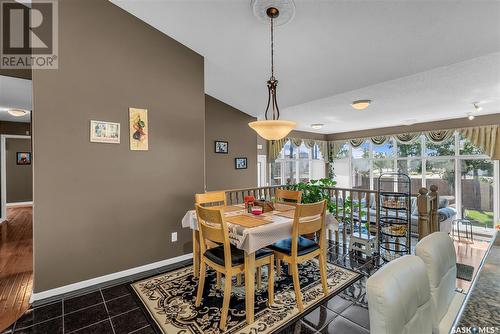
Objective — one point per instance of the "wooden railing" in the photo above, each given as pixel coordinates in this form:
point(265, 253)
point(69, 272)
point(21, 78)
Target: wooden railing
point(428, 217)
point(355, 208)
point(236, 196)
point(352, 207)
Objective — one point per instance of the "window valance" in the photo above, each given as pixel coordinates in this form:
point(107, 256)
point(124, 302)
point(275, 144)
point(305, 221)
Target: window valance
point(274, 147)
point(485, 137)
point(406, 138)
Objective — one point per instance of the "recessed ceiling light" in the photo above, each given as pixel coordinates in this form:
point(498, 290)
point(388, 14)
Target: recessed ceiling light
point(471, 117)
point(317, 126)
point(361, 104)
point(477, 107)
point(17, 112)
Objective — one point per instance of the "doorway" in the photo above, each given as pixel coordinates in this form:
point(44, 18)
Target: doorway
point(16, 172)
point(16, 199)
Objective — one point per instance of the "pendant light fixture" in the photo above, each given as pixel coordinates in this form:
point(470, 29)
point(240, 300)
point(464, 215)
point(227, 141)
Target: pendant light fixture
point(272, 129)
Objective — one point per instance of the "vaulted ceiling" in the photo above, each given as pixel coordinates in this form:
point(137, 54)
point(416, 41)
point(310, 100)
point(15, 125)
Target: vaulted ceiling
point(14, 93)
point(417, 60)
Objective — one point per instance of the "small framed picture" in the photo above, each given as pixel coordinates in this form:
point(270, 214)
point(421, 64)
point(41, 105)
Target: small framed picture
point(23, 158)
point(240, 163)
point(104, 132)
point(221, 147)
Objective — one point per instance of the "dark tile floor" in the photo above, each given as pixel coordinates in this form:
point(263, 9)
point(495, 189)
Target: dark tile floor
point(114, 310)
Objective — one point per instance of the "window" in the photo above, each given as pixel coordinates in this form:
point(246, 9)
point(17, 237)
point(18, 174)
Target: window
point(276, 178)
point(410, 150)
point(381, 167)
point(362, 151)
point(477, 191)
point(297, 164)
point(384, 151)
point(361, 173)
point(441, 172)
point(343, 151)
point(465, 176)
point(445, 148)
point(412, 168)
point(467, 148)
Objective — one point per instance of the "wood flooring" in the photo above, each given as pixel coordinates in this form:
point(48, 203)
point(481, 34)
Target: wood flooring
point(472, 254)
point(16, 264)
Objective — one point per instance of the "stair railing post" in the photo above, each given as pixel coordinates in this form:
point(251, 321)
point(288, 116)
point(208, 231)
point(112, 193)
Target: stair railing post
point(423, 206)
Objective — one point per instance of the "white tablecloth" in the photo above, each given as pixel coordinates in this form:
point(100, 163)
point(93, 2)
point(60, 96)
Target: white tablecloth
point(252, 239)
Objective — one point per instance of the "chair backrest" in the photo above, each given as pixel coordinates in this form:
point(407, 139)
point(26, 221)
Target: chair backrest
point(212, 227)
point(399, 300)
point(212, 198)
point(308, 219)
point(287, 196)
point(438, 253)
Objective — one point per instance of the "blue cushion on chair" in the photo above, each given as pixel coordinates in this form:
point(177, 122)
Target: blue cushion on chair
point(216, 255)
point(285, 246)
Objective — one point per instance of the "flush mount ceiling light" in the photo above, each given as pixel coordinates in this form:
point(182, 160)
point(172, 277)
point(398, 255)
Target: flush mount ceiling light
point(471, 117)
point(17, 112)
point(317, 126)
point(477, 107)
point(361, 104)
point(272, 129)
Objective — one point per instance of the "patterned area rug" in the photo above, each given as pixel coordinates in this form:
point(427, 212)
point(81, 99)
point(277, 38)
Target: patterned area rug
point(169, 298)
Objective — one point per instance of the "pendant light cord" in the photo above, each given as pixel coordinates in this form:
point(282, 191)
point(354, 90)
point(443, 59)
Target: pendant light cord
point(272, 48)
point(272, 82)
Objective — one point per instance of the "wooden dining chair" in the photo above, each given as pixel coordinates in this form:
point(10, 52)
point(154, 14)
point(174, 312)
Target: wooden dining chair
point(291, 197)
point(225, 258)
point(287, 196)
point(210, 199)
point(309, 218)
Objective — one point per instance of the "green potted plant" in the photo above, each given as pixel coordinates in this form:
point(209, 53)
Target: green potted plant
point(317, 190)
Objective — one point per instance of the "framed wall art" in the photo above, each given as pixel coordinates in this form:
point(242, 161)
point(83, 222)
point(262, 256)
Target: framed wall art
point(23, 158)
point(240, 163)
point(104, 132)
point(221, 147)
point(139, 131)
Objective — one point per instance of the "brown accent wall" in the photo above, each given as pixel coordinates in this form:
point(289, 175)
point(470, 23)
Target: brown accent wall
point(223, 122)
point(102, 208)
point(19, 178)
point(15, 128)
point(427, 126)
point(22, 74)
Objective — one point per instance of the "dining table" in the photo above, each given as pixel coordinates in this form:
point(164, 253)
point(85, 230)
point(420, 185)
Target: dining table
point(249, 233)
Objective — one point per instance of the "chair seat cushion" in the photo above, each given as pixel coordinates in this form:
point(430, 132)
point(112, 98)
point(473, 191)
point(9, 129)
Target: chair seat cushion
point(306, 246)
point(216, 255)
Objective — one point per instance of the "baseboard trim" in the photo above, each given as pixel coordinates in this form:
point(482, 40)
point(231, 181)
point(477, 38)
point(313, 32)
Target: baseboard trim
point(14, 204)
point(68, 289)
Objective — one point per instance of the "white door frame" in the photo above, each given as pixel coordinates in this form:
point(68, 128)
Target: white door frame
point(3, 172)
point(262, 172)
